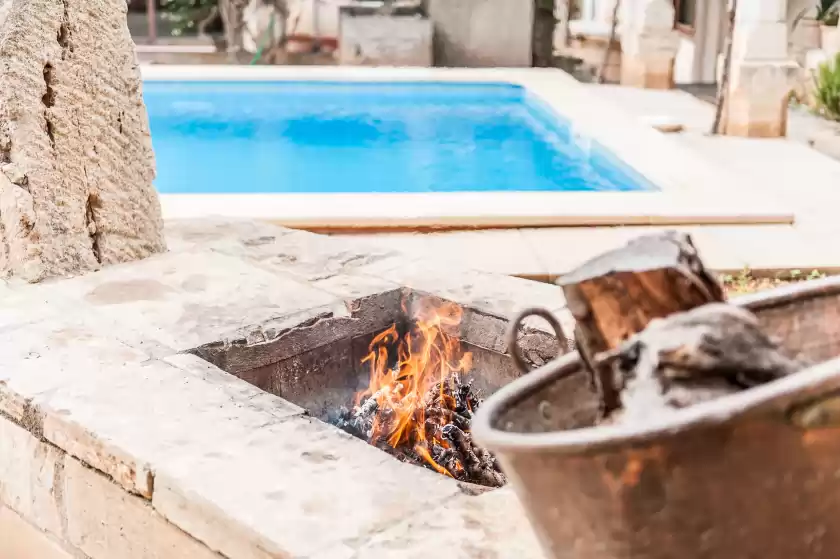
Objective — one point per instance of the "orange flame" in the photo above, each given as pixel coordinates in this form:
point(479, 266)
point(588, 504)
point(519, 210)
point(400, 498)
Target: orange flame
point(427, 356)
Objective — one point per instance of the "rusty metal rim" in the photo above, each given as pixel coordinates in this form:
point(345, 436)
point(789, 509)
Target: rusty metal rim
point(778, 397)
point(786, 294)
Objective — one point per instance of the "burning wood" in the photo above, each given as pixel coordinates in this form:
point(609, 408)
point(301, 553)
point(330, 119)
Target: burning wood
point(420, 409)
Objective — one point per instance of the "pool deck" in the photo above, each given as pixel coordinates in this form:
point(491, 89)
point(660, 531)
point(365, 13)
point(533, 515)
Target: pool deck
point(804, 180)
point(691, 190)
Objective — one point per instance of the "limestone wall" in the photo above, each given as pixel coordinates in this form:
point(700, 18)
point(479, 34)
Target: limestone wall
point(479, 33)
point(378, 40)
point(76, 156)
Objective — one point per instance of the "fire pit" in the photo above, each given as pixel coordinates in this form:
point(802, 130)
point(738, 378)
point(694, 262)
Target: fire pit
point(403, 370)
point(419, 403)
point(147, 394)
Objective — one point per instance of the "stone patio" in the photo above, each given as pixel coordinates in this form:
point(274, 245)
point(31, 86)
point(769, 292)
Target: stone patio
point(104, 415)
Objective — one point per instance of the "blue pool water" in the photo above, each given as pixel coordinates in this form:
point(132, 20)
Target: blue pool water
point(371, 137)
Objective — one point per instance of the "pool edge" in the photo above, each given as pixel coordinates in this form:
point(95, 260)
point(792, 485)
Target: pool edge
point(692, 191)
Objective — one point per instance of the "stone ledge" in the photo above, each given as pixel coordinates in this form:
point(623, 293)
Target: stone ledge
point(105, 522)
point(489, 525)
point(70, 502)
point(29, 477)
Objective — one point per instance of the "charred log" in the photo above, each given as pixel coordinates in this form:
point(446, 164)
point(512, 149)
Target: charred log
point(446, 445)
point(479, 464)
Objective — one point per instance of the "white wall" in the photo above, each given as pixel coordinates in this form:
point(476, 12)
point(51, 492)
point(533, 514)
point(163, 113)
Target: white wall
point(315, 17)
point(685, 62)
point(697, 56)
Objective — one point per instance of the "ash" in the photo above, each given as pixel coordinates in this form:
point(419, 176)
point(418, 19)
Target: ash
point(445, 444)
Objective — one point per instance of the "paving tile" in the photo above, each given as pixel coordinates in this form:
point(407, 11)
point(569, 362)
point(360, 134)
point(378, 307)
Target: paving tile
point(502, 251)
point(562, 249)
point(186, 299)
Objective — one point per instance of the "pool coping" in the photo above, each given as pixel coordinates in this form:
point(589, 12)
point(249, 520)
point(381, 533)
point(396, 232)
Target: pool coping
point(693, 190)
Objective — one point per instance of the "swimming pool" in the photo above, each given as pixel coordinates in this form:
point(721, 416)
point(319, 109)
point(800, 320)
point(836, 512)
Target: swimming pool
point(346, 147)
point(316, 136)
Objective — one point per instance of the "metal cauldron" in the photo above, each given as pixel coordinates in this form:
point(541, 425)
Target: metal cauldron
point(754, 475)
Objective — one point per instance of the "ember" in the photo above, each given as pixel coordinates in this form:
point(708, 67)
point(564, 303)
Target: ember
point(420, 407)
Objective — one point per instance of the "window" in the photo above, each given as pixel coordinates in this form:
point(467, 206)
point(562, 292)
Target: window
point(685, 15)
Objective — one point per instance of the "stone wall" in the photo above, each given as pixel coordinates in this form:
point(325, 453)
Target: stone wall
point(76, 156)
point(382, 40)
point(21, 539)
point(480, 33)
point(71, 510)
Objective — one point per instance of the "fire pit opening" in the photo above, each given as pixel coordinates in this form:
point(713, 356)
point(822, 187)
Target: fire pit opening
point(401, 370)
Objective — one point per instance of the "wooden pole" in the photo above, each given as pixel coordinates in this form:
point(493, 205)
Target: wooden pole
point(151, 14)
point(723, 86)
point(602, 72)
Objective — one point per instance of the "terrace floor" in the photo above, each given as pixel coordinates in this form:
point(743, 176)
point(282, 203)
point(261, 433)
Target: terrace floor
point(788, 170)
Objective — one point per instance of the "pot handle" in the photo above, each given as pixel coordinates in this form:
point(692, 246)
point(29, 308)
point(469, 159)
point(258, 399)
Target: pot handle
point(513, 330)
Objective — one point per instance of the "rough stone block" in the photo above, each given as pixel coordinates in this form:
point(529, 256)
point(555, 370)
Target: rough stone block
point(649, 15)
point(757, 101)
point(29, 470)
point(21, 540)
point(647, 72)
point(748, 119)
point(480, 33)
point(105, 522)
point(380, 40)
point(76, 188)
point(762, 11)
point(754, 42)
point(649, 45)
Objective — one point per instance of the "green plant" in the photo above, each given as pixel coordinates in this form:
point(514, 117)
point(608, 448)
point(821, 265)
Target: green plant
point(828, 12)
point(827, 89)
point(187, 16)
point(746, 281)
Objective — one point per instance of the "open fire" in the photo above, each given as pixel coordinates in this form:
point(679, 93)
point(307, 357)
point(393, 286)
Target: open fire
point(418, 405)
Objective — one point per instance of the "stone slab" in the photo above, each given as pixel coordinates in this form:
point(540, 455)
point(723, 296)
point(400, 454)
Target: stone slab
point(105, 522)
point(471, 527)
point(29, 472)
point(185, 299)
point(19, 539)
point(300, 485)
